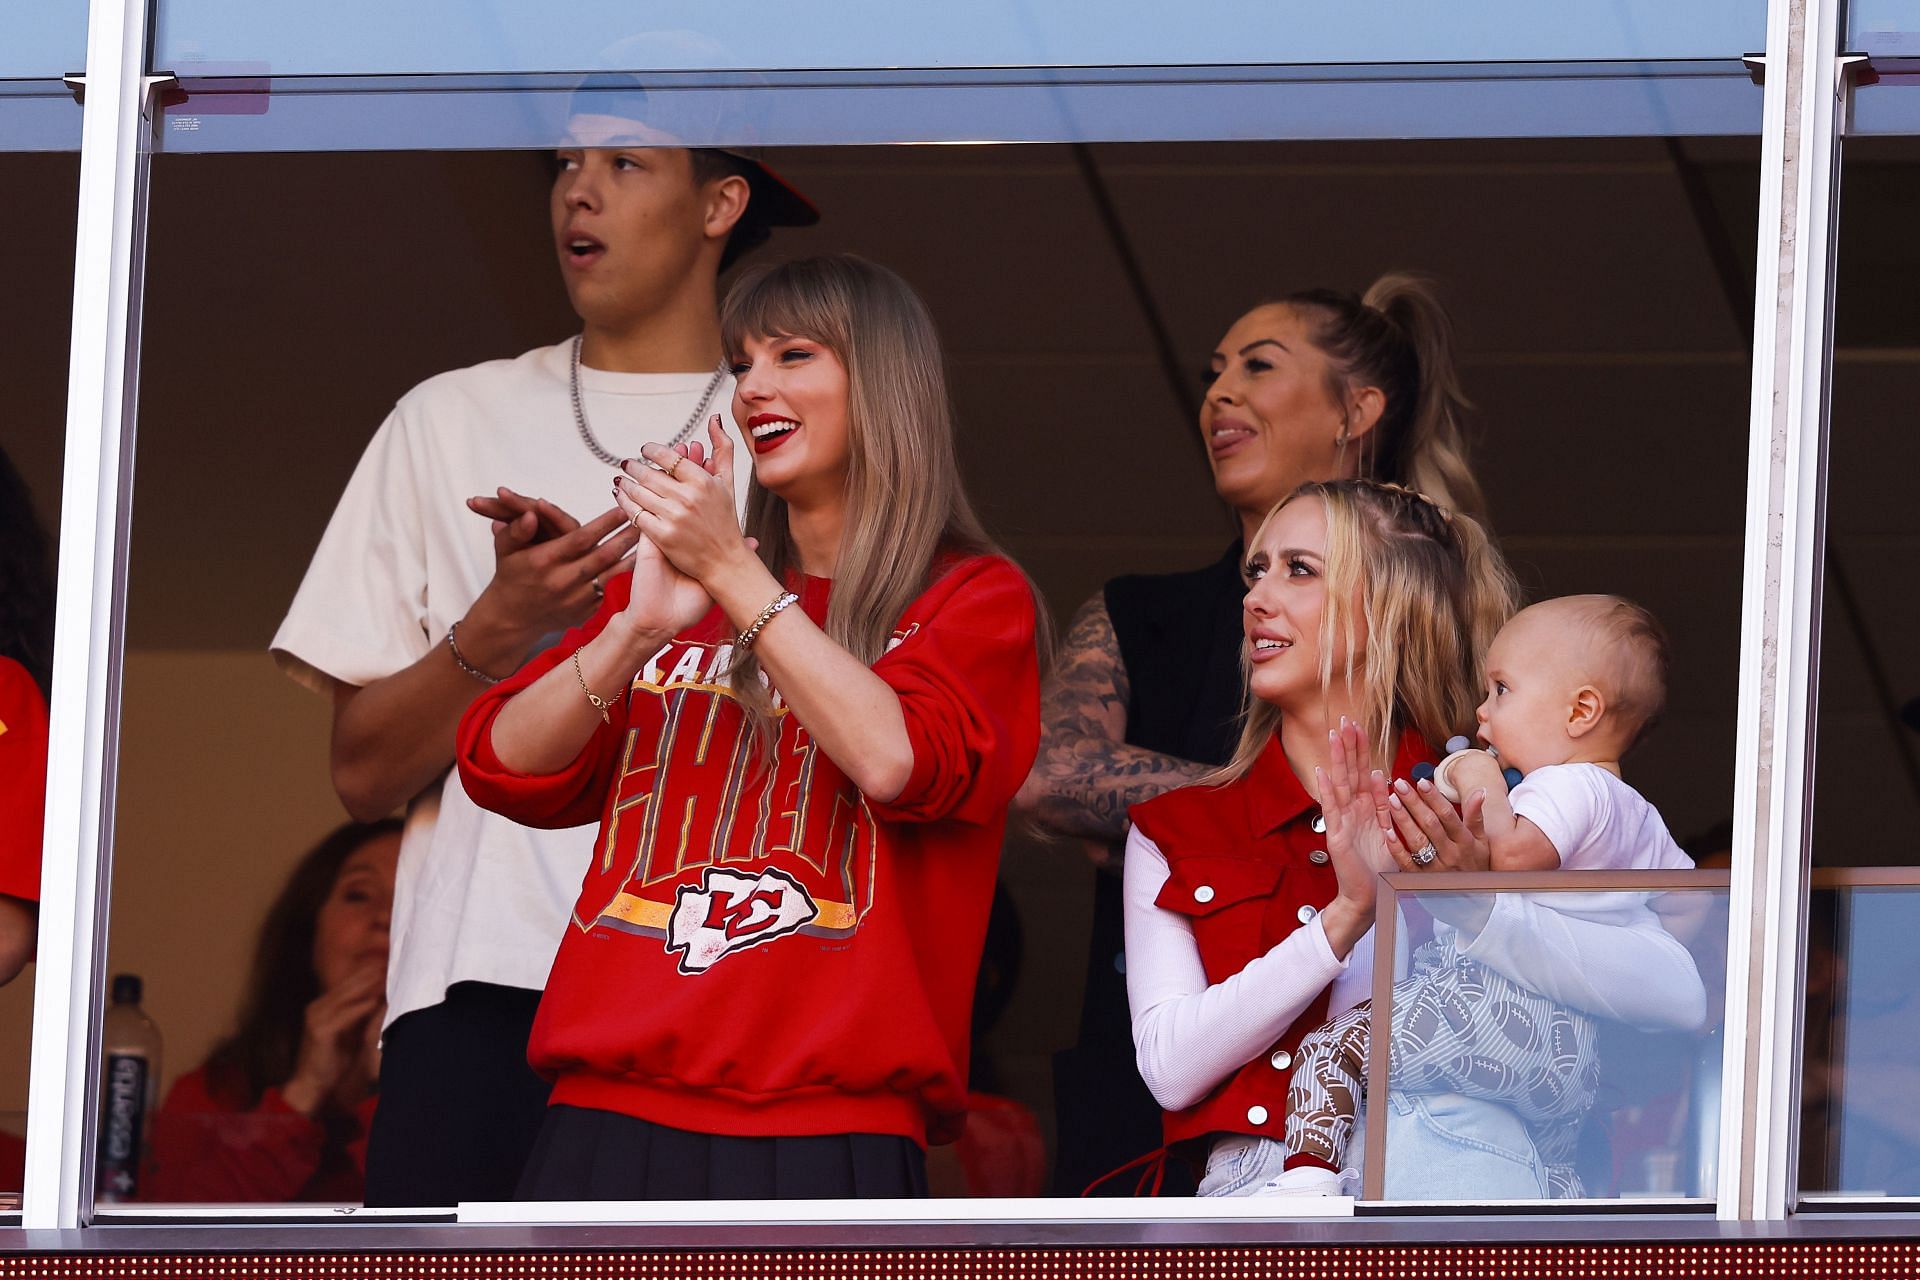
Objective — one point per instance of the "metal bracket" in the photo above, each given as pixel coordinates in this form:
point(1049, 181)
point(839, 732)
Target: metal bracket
point(150, 88)
point(1855, 66)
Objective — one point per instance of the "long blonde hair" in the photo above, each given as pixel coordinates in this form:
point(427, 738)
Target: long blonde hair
point(905, 501)
point(1432, 589)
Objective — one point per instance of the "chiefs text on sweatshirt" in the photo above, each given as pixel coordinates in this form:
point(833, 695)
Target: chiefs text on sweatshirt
point(766, 952)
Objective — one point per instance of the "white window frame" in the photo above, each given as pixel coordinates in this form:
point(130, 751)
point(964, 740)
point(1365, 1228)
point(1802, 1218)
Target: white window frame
point(83, 746)
point(1780, 608)
point(1779, 636)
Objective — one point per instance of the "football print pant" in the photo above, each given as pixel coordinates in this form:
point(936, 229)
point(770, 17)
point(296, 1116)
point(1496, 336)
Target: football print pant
point(1458, 1027)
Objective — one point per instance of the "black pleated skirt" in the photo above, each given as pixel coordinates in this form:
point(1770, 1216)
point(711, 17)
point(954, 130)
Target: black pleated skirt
point(586, 1154)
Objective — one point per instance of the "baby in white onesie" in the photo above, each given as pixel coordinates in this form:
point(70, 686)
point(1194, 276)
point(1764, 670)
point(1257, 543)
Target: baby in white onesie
point(1572, 684)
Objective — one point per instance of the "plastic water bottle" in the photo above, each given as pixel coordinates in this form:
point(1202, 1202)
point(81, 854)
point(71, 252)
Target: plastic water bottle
point(129, 1089)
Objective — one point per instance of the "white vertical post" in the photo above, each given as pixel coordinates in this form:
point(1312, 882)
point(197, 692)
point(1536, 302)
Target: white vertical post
point(1780, 610)
point(93, 513)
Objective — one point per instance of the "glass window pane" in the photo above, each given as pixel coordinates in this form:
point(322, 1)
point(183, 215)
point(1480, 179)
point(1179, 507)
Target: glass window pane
point(39, 44)
point(362, 37)
point(37, 202)
point(245, 110)
point(1858, 1137)
point(1886, 100)
point(1538, 1071)
point(1884, 28)
point(45, 40)
point(1867, 788)
point(38, 115)
point(366, 273)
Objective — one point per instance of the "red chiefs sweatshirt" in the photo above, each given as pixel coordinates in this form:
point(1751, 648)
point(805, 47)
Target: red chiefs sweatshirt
point(768, 952)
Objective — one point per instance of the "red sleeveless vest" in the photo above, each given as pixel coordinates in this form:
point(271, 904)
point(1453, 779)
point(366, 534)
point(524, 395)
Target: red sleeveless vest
point(1247, 866)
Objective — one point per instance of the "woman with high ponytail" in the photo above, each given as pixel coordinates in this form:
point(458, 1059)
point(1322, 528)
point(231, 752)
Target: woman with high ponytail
point(1421, 439)
point(1316, 385)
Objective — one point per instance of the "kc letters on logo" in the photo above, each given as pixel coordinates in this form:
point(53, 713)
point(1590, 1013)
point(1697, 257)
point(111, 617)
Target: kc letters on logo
point(728, 911)
point(701, 847)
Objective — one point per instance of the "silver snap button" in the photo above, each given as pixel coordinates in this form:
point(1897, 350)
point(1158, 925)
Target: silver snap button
point(1306, 914)
point(1318, 857)
point(1319, 824)
point(1256, 1115)
point(1203, 894)
point(1281, 1059)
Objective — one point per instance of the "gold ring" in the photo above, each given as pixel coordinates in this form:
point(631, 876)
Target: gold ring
point(678, 458)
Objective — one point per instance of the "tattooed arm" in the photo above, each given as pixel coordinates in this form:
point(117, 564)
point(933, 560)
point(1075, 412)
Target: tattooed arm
point(1085, 775)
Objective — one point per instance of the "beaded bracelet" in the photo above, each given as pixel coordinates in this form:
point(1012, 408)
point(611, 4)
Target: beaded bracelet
point(460, 660)
point(752, 633)
point(600, 704)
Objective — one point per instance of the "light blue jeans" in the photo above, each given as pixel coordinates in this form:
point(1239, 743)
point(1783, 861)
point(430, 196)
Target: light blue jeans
point(1440, 1146)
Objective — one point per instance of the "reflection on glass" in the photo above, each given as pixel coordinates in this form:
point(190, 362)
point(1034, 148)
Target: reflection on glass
point(1575, 1059)
point(1889, 28)
point(366, 36)
point(43, 40)
point(1022, 278)
point(1860, 1131)
point(1859, 1134)
point(229, 107)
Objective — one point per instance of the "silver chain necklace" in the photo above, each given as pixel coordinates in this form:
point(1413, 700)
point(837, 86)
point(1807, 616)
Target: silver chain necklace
point(586, 433)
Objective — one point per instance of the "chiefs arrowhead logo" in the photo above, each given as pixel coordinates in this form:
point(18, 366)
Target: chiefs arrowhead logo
point(729, 912)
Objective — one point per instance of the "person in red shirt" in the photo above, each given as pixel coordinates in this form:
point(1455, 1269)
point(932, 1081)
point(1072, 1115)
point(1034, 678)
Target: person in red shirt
point(26, 673)
point(23, 798)
point(280, 1110)
point(801, 760)
point(26, 667)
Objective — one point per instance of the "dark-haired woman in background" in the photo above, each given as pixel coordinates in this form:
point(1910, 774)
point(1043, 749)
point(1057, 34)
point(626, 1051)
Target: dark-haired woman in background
point(26, 672)
point(1318, 385)
point(280, 1109)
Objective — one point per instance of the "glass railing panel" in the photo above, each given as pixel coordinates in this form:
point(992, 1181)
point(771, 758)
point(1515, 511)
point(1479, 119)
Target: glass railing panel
point(1559, 1043)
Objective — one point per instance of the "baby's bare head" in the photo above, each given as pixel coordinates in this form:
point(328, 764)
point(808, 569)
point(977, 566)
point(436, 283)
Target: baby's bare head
point(1614, 645)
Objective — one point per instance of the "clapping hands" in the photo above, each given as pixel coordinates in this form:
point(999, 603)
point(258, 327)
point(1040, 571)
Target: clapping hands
point(1352, 797)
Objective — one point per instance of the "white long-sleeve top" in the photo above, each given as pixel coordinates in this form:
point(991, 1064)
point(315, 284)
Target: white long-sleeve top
point(1190, 1035)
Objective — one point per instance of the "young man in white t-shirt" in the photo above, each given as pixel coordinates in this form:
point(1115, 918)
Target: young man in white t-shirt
point(422, 593)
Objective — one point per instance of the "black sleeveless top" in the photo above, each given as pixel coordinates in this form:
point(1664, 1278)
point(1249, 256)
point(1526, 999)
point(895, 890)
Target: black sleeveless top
point(1179, 636)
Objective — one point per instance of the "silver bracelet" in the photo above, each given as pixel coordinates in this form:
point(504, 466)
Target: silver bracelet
point(460, 660)
point(752, 633)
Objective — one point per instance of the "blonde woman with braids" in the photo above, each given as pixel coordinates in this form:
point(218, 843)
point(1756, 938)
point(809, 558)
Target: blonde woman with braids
point(801, 760)
point(1250, 897)
point(1315, 385)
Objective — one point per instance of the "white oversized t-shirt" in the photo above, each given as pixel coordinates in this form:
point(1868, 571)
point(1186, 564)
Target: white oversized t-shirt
point(476, 898)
